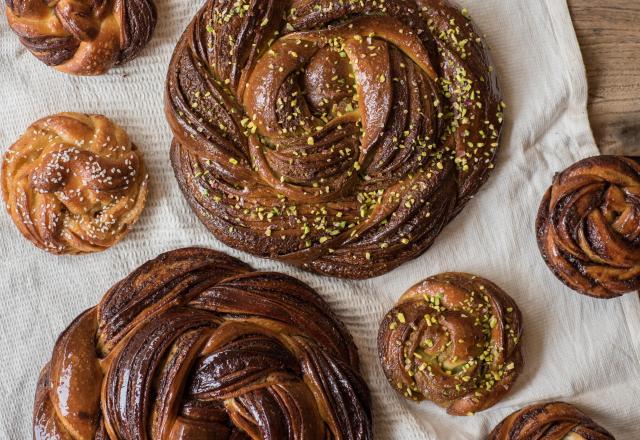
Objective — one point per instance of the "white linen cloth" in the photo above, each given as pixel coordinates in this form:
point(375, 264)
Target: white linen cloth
point(577, 349)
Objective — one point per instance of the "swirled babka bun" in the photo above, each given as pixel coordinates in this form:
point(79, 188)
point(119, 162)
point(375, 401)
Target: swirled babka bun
point(453, 339)
point(549, 421)
point(588, 226)
point(83, 37)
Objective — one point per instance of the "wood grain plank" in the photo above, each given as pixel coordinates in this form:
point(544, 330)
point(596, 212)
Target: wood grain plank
point(609, 35)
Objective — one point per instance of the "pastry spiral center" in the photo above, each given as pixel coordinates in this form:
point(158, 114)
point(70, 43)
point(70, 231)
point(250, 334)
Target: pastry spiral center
point(317, 103)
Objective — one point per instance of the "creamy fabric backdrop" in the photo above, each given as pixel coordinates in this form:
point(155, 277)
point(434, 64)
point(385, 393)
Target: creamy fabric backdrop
point(577, 349)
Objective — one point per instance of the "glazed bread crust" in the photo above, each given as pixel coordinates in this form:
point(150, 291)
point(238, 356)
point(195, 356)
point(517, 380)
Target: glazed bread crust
point(549, 421)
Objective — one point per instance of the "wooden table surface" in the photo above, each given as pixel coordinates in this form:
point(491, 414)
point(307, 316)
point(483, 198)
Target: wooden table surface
point(609, 35)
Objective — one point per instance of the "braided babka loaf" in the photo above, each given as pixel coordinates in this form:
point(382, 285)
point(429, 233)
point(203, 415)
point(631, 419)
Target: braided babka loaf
point(339, 136)
point(196, 345)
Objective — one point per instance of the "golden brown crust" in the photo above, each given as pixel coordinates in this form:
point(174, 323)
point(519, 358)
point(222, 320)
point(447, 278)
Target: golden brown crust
point(195, 344)
point(588, 226)
point(454, 339)
point(74, 183)
point(337, 136)
point(549, 421)
point(83, 37)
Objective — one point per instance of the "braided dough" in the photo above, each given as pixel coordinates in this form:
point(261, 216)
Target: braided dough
point(74, 183)
point(549, 421)
point(83, 37)
point(453, 339)
point(195, 345)
point(588, 226)
point(337, 136)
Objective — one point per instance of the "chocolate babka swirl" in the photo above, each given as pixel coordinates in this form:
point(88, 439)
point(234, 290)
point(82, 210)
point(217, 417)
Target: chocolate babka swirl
point(83, 37)
point(74, 183)
point(453, 339)
point(588, 226)
point(549, 421)
point(195, 345)
point(337, 136)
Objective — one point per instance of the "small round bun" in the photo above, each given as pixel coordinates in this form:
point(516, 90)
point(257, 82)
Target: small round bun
point(453, 339)
point(74, 183)
point(83, 37)
point(549, 421)
point(588, 226)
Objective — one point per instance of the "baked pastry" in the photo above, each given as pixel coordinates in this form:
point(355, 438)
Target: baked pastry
point(195, 345)
point(454, 339)
point(588, 226)
point(74, 183)
point(338, 136)
point(83, 37)
point(549, 421)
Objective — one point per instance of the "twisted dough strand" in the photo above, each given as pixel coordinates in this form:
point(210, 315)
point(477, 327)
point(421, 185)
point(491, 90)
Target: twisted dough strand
point(549, 421)
point(453, 339)
point(588, 226)
point(337, 136)
point(83, 37)
point(195, 344)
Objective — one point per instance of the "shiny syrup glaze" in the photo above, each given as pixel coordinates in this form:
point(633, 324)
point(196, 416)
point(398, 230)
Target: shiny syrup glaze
point(588, 226)
point(83, 37)
point(453, 339)
point(340, 137)
point(195, 345)
point(549, 421)
point(74, 183)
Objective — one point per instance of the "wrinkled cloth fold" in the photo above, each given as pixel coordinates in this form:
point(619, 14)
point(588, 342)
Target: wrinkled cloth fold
point(576, 349)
